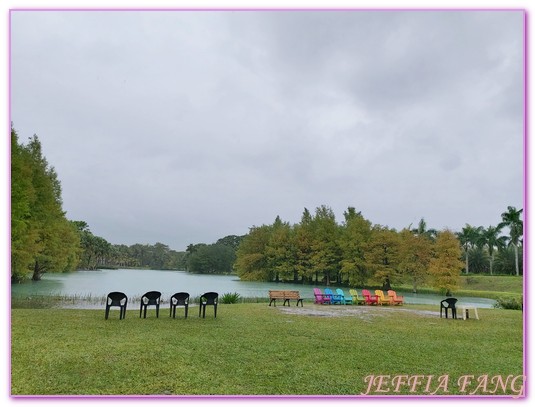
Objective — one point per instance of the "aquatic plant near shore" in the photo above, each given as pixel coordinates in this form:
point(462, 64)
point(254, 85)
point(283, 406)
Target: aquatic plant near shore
point(510, 303)
point(230, 298)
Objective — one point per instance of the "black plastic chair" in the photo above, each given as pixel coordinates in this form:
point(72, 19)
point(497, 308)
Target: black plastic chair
point(150, 298)
point(116, 299)
point(448, 303)
point(178, 299)
point(208, 299)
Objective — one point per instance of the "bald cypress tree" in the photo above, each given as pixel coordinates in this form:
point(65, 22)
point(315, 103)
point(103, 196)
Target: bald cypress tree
point(304, 235)
point(415, 252)
point(42, 238)
point(383, 256)
point(252, 262)
point(446, 265)
point(355, 235)
point(281, 251)
point(326, 253)
point(24, 246)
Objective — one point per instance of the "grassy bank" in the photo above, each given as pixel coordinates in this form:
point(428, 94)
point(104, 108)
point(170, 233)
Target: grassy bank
point(507, 284)
point(255, 349)
point(483, 286)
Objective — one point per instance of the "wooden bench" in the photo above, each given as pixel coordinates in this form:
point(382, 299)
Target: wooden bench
point(285, 296)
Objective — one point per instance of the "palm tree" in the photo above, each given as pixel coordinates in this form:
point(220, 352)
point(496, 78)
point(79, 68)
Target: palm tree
point(511, 219)
point(505, 261)
point(423, 231)
point(469, 237)
point(479, 260)
point(491, 239)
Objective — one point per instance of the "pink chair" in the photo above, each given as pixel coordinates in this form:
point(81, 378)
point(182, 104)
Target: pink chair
point(320, 298)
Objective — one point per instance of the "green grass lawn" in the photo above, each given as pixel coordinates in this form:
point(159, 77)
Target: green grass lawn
point(253, 349)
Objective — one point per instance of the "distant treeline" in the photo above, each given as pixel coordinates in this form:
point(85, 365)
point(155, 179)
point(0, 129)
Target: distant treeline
point(355, 253)
point(358, 253)
point(97, 253)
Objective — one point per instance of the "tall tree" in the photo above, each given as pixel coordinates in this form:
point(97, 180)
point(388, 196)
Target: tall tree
point(505, 261)
point(41, 233)
point(325, 249)
point(446, 266)
point(252, 262)
point(493, 241)
point(479, 260)
point(24, 231)
point(512, 220)
point(382, 255)
point(414, 256)
point(303, 237)
point(354, 237)
point(50, 219)
point(469, 238)
point(281, 251)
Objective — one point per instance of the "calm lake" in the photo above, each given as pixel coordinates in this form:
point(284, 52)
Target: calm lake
point(135, 283)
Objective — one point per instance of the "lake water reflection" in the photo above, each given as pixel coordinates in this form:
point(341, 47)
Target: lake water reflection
point(134, 283)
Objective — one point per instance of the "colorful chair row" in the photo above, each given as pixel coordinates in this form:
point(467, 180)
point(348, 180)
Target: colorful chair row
point(379, 298)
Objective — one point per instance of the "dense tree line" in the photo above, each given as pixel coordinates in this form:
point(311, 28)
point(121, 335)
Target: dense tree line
point(216, 258)
point(98, 253)
point(42, 238)
point(356, 252)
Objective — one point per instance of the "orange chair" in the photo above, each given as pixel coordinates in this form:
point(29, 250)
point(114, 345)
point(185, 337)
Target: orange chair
point(398, 300)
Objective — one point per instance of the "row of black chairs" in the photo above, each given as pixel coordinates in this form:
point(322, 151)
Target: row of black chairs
point(119, 299)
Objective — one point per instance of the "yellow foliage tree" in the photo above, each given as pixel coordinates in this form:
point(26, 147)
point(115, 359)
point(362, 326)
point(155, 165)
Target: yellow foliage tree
point(446, 265)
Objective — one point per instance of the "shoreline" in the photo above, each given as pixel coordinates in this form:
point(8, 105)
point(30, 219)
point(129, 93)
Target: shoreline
point(96, 304)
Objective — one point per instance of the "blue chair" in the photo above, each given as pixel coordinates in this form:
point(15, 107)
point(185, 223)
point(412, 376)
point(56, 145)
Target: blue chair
point(343, 299)
point(335, 298)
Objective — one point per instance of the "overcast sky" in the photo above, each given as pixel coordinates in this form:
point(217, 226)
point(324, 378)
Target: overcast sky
point(184, 127)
